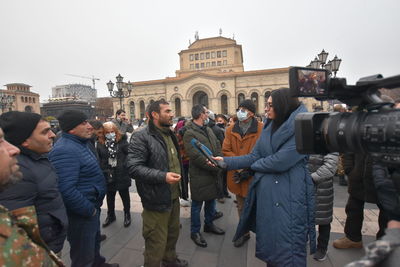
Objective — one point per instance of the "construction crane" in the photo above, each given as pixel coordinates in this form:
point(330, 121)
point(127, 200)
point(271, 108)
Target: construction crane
point(94, 79)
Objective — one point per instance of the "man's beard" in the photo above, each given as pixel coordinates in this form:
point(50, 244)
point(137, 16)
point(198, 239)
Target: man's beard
point(14, 178)
point(165, 123)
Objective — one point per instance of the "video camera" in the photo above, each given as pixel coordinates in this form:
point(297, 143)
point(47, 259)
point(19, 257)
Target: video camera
point(374, 128)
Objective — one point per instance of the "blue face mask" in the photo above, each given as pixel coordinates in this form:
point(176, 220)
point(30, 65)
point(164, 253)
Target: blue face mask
point(110, 136)
point(242, 115)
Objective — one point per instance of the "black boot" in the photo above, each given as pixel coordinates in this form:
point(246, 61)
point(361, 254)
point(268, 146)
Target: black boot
point(110, 219)
point(127, 218)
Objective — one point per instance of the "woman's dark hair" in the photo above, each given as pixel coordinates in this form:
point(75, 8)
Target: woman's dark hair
point(283, 104)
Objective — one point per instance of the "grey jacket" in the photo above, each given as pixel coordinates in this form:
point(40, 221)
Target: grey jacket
point(322, 169)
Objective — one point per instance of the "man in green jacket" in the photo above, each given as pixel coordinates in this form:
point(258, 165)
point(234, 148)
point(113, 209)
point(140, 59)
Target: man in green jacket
point(205, 180)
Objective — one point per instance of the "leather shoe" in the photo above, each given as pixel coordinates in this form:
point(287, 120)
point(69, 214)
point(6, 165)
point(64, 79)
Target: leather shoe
point(127, 219)
point(217, 215)
point(241, 240)
point(212, 228)
point(198, 239)
point(176, 263)
point(109, 220)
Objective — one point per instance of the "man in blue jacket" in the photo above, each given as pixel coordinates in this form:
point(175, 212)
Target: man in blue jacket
point(39, 186)
point(82, 185)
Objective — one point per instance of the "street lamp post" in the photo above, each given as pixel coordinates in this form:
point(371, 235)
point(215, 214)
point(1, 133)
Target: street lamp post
point(6, 101)
point(120, 93)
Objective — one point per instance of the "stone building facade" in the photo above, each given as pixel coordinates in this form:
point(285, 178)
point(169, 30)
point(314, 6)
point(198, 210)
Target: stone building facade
point(211, 73)
point(79, 91)
point(23, 98)
point(55, 108)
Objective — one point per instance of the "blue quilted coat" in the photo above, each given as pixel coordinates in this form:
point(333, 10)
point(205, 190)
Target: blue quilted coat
point(80, 179)
point(279, 207)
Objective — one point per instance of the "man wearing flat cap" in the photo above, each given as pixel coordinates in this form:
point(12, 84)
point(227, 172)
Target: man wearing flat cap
point(82, 185)
point(39, 185)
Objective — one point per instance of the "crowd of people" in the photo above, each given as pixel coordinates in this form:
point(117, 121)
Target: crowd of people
point(52, 185)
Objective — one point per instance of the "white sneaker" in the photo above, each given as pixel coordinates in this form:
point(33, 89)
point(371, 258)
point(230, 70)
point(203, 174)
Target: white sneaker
point(185, 203)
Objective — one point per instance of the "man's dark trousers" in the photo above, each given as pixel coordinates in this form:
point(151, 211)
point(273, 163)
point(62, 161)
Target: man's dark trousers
point(84, 239)
point(355, 217)
point(209, 213)
point(160, 232)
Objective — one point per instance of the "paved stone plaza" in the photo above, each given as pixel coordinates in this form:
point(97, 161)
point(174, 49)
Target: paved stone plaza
point(125, 245)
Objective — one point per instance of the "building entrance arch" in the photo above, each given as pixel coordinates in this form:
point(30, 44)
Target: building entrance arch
point(200, 97)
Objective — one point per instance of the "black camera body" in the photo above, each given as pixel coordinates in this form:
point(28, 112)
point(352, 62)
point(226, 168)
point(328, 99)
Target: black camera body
point(374, 128)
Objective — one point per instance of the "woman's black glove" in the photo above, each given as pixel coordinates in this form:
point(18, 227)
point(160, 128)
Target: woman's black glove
point(243, 175)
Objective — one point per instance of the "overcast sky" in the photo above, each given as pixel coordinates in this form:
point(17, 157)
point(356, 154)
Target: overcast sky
point(42, 40)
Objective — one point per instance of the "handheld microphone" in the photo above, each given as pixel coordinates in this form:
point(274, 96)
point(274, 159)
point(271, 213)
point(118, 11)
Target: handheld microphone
point(207, 153)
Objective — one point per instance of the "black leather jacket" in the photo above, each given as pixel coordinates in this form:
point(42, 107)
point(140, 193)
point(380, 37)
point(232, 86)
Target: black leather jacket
point(148, 164)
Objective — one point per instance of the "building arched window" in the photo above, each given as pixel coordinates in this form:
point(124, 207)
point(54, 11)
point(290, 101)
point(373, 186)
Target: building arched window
point(28, 109)
point(201, 98)
point(178, 107)
point(26, 99)
point(22, 99)
point(224, 104)
point(142, 109)
point(132, 110)
point(151, 102)
point(254, 98)
point(240, 98)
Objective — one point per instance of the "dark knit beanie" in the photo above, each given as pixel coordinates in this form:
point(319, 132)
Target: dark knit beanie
point(18, 126)
point(249, 105)
point(69, 119)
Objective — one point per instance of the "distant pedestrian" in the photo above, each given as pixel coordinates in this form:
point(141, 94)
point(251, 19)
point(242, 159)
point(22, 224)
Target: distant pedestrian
point(122, 122)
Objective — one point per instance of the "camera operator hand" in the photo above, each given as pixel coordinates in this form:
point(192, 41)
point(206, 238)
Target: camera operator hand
point(172, 178)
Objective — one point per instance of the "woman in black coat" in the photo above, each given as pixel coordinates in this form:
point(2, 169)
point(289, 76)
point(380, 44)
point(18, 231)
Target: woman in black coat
point(113, 149)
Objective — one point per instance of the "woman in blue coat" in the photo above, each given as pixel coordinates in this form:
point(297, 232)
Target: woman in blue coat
point(279, 207)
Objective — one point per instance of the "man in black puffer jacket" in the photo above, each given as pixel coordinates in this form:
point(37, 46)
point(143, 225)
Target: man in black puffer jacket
point(38, 187)
point(154, 162)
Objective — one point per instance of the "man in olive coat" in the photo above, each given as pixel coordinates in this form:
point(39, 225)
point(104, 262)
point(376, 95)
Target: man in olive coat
point(205, 180)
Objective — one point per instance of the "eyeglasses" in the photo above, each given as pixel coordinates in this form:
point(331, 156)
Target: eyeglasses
point(269, 105)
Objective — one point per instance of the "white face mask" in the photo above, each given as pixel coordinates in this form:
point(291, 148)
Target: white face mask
point(110, 136)
point(242, 115)
point(206, 121)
